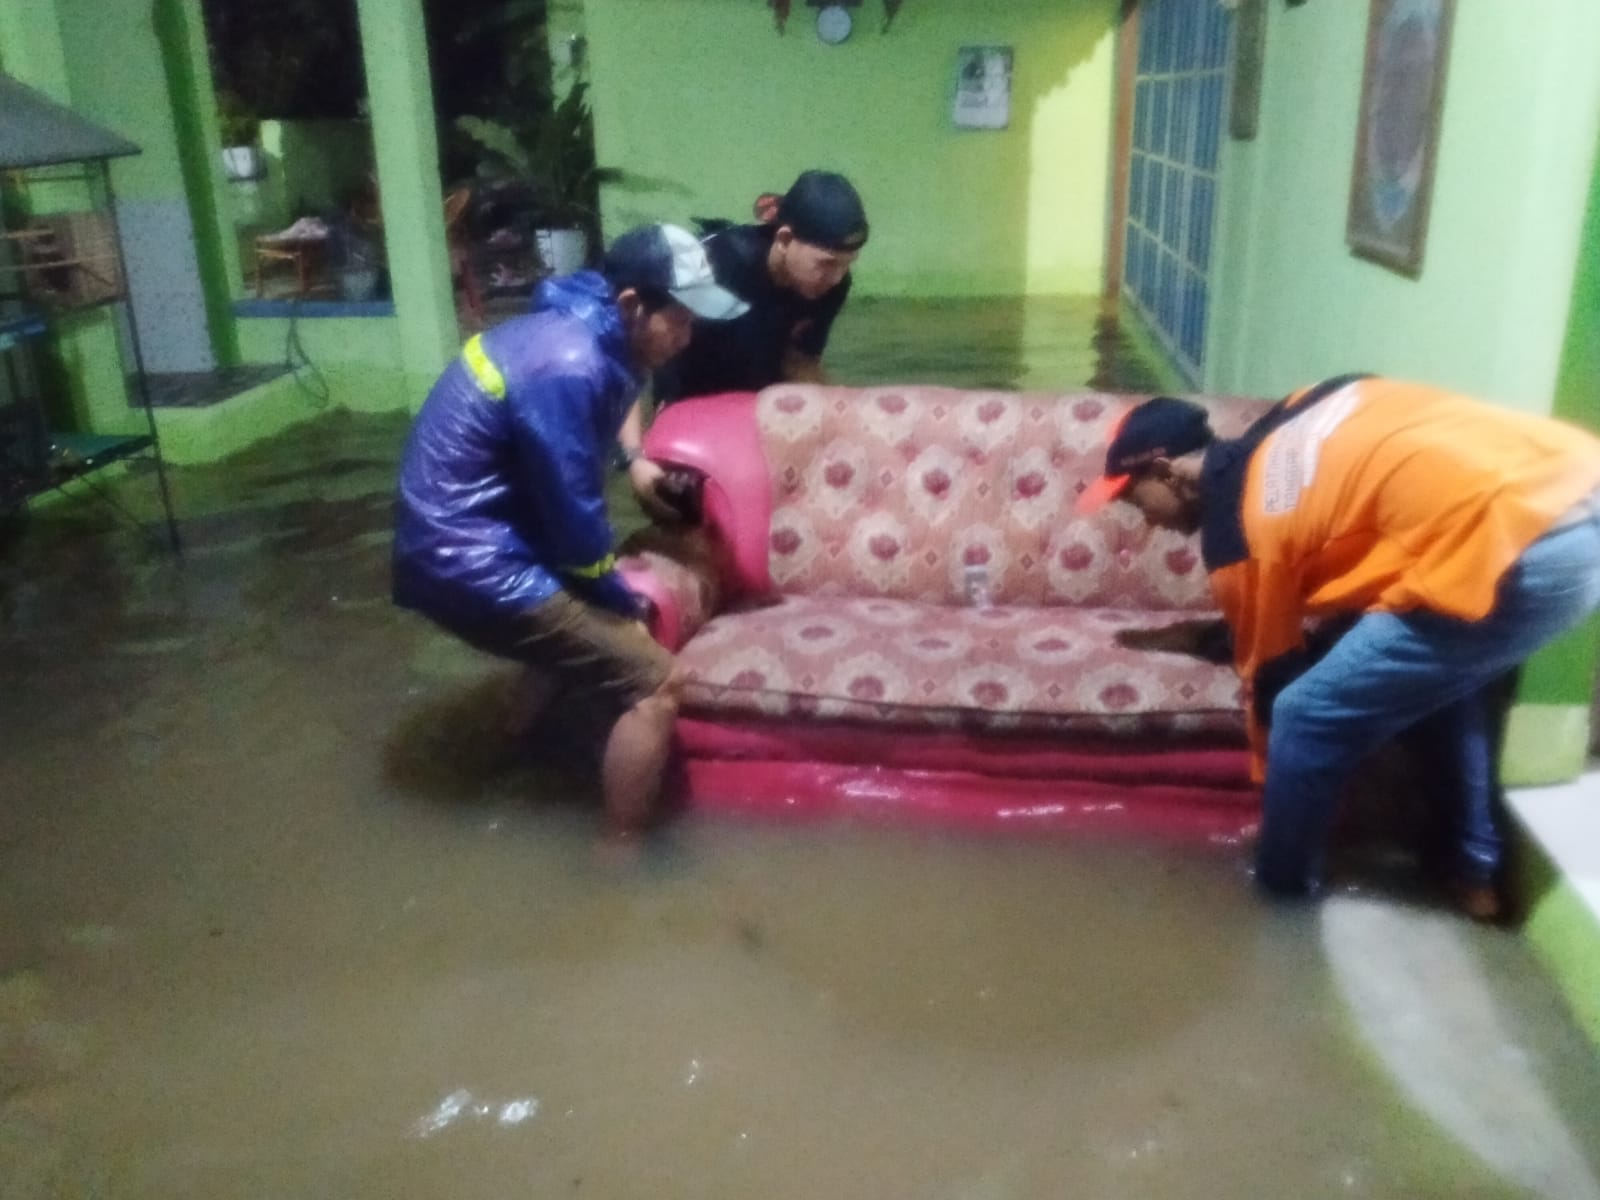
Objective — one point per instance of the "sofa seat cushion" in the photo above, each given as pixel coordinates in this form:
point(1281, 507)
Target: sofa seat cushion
point(902, 663)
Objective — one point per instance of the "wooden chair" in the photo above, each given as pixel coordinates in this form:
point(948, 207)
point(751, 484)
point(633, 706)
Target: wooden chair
point(305, 254)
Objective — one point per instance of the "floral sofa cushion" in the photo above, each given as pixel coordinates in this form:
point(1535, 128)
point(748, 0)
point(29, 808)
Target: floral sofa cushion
point(909, 664)
point(897, 491)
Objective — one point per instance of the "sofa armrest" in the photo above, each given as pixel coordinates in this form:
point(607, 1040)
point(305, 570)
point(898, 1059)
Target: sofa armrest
point(719, 437)
point(676, 571)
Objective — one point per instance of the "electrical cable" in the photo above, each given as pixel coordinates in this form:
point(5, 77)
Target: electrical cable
point(294, 349)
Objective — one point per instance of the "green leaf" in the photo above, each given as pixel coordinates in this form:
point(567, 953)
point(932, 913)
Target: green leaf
point(497, 140)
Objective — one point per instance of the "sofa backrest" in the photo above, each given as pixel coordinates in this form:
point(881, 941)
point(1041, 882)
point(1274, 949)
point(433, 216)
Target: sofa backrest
point(898, 491)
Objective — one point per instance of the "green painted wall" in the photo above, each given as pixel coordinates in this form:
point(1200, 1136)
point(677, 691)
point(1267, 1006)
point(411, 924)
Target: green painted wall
point(1578, 383)
point(1565, 674)
point(1562, 929)
point(199, 435)
point(355, 365)
point(565, 19)
point(87, 363)
point(115, 63)
point(339, 341)
point(31, 48)
point(1522, 109)
point(705, 106)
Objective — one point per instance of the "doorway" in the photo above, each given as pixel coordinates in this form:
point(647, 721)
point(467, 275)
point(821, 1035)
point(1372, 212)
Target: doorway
point(1171, 102)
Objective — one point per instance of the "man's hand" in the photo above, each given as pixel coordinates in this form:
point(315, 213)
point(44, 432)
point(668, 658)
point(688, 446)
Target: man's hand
point(1182, 637)
point(645, 476)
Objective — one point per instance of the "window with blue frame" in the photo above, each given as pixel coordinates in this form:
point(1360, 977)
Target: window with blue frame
point(1179, 90)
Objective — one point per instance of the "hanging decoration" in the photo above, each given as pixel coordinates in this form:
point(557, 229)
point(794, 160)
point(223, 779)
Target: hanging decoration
point(780, 12)
point(890, 9)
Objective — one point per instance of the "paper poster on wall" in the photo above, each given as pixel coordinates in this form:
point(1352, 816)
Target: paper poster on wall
point(983, 87)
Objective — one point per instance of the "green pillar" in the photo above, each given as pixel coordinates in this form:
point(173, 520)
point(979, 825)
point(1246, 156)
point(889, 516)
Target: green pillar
point(400, 93)
point(180, 28)
point(1548, 740)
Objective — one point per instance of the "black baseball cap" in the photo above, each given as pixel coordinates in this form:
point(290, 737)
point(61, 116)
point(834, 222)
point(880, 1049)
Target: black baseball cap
point(1161, 427)
point(670, 259)
point(825, 210)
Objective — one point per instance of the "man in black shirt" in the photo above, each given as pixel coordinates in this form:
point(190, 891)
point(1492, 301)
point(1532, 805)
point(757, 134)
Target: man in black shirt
point(795, 275)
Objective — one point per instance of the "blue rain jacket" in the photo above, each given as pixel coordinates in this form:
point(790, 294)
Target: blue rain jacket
point(502, 487)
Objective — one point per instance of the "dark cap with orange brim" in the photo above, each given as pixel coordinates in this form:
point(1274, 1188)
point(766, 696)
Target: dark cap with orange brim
point(1161, 427)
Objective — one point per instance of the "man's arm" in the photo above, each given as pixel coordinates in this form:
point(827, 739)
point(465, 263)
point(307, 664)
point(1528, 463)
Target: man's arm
point(798, 367)
point(560, 473)
point(802, 357)
point(644, 475)
point(1206, 638)
point(630, 438)
point(1262, 605)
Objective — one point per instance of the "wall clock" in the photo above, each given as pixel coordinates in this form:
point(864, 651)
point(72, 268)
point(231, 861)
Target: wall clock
point(833, 24)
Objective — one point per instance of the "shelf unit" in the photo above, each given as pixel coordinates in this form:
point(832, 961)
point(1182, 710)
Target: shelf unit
point(53, 266)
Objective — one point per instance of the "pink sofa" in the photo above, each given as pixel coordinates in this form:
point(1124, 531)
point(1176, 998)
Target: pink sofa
point(835, 659)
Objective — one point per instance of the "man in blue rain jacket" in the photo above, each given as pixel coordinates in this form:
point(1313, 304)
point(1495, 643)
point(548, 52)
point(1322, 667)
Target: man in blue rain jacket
point(501, 534)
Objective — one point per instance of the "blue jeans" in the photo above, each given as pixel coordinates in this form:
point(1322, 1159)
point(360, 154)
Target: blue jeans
point(1393, 671)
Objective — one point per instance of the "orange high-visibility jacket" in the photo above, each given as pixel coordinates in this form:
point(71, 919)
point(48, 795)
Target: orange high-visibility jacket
point(1373, 495)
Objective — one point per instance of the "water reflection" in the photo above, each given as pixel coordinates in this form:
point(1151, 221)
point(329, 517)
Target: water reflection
point(462, 1105)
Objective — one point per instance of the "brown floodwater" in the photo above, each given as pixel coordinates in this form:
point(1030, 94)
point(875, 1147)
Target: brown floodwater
point(283, 914)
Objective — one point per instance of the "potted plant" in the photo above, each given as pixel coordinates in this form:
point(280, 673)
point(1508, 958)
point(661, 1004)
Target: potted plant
point(242, 160)
point(552, 153)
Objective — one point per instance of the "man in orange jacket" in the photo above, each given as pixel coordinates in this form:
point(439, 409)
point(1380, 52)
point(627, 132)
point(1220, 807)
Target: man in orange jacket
point(1459, 537)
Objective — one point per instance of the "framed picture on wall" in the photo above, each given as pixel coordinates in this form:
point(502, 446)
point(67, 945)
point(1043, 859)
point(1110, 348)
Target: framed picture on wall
point(983, 87)
point(1402, 94)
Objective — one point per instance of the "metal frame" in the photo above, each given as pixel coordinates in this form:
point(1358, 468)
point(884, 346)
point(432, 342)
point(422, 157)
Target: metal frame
point(128, 344)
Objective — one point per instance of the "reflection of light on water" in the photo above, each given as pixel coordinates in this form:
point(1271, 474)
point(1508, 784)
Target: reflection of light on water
point(1419, 997)
point(461, 1106)
point(450, 1108)
point(518, 1111)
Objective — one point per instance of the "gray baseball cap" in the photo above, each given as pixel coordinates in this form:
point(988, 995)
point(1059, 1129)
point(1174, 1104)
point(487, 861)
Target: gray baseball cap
point(670, 259)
